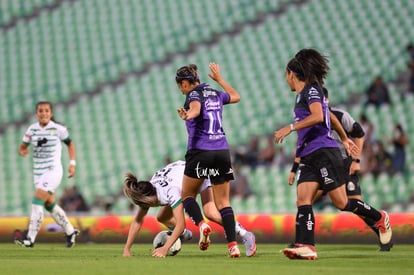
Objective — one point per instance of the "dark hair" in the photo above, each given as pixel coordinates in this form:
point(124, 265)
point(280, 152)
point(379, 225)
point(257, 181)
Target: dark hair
point(141, 193)
point(325, 92)
point(309, 66)
point(188, 73)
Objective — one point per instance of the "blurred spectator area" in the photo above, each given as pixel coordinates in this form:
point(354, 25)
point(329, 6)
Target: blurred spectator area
point(108, 67)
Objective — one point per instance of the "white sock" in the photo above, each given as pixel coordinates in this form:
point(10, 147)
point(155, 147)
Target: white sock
point(240, 229)
point(61, 219)
point(36, 219)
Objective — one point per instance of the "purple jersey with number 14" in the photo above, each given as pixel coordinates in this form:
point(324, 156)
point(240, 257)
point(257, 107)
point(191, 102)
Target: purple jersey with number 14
point(205, 132)
point(317, 136)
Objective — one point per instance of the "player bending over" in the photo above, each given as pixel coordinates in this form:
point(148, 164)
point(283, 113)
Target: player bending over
point(164, 189)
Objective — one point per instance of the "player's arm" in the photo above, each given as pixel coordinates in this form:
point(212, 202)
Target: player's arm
point(193, 112)
point(72, 157)
point(315, 117)
point(23, 149)
point(178, 213)
point(216, 76)
point(358, 134)
point(349, 145)
point(134, 228)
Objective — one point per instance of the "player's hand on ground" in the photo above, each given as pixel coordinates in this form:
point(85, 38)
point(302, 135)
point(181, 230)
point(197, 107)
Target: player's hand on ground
point(160, 252)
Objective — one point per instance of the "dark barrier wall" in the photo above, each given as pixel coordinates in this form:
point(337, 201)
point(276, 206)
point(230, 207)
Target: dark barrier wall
point(330, 228)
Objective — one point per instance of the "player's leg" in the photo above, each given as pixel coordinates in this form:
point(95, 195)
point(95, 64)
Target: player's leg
point(210, 212)
point(221, 194)
point(336, 172)
point(60, 217)
point(361, 208)
point(36, 218)
point(53, 179)
point(304, 244)
point(189, 191)
point(166, 217)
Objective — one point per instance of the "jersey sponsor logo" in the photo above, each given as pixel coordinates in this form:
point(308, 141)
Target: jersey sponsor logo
point(212, 105)
point(205, 172)
point(207, 93)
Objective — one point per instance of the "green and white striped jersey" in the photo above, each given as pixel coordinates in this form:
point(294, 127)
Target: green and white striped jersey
point(47, 145)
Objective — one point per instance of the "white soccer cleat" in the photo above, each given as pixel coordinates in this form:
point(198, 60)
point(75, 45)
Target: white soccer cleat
point(249, 241)
point(24, 242)
point(301, 252)
point(205, 231)
point(384, 227)
point(186, 235)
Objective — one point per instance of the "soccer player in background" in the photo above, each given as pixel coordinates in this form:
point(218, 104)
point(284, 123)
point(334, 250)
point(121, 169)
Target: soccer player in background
point(164, 189)
point(321, 164)
point(351, 163)
point(46, 137)
point(208, 154)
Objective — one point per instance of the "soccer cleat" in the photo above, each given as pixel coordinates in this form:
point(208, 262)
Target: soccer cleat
point(249, 241)
point(205, 231)
point(186, 235)
point(386, 247)
point(301, 252)
point(384, 227)
point(233, 250)
point(71, 239)
point(24, 242)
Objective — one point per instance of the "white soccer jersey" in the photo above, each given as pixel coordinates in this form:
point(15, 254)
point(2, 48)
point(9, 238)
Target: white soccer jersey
point(47, 146)
point(168, 181)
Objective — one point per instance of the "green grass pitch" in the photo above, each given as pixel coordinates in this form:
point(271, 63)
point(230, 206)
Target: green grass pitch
point(47, 258)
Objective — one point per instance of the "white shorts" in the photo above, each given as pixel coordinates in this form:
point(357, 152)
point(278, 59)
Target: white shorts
point(49, 181)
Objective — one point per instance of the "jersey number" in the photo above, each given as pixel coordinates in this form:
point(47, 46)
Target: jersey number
point(215, 123)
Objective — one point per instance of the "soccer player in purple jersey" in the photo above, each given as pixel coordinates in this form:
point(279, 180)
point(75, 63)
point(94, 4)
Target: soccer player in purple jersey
point(208, 153)
point(321, 164)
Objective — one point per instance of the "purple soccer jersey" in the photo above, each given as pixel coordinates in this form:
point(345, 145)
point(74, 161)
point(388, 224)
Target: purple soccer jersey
point(205, 132)
point(318, 136)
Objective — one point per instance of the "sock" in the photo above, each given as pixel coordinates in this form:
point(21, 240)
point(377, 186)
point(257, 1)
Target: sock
point(240, 229)
point(36, 219)
point(60, 218)
point(193, 210)
point(305, 222)
point(362, 209)
point(298, 233)
point(372, 224)
point(227, 217)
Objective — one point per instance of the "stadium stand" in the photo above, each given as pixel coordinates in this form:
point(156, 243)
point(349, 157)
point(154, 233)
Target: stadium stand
point(108, 66)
